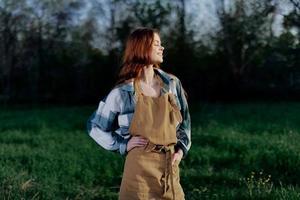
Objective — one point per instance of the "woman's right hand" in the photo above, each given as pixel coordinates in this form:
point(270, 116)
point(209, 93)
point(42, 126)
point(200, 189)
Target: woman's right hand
point(136, 141)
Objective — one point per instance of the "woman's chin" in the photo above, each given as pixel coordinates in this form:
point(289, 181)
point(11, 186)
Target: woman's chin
point(157, 62)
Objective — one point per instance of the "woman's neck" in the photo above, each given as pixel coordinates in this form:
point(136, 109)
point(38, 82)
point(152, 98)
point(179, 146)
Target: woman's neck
point(148, 75)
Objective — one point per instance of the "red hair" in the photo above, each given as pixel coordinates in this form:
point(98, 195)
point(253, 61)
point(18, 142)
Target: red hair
point(137, 54)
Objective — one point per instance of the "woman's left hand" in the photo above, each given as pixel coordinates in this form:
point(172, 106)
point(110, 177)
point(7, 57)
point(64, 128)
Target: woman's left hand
point(177, 156)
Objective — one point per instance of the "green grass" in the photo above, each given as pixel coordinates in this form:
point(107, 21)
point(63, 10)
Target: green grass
point(239, 151)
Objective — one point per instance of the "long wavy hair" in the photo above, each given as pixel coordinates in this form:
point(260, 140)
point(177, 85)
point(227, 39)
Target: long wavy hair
point(137, 54)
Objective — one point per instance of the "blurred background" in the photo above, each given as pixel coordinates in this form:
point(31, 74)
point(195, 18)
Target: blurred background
point(238, 60)
point(70, 51)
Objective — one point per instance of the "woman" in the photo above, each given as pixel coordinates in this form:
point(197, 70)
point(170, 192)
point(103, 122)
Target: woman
point(146, 118)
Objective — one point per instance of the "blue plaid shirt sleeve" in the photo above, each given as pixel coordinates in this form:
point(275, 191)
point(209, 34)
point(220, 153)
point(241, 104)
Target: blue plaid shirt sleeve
point(102, 125)
point(184, 130)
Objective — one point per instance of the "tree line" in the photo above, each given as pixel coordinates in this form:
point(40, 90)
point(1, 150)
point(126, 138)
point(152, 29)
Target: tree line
point(55, 51)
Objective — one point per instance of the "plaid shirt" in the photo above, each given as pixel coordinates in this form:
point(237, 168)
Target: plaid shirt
point(109, 124)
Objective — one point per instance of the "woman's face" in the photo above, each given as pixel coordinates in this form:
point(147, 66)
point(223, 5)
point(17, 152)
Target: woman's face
point(157, 50)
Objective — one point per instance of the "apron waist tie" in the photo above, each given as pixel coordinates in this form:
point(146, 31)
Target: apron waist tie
point(168, 150)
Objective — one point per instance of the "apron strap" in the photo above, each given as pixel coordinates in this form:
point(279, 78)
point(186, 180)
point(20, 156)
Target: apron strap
point(169, 172)
point(137, 88)
point(169, 150)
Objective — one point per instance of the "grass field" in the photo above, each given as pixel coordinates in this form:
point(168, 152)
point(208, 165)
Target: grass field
point(239, 151)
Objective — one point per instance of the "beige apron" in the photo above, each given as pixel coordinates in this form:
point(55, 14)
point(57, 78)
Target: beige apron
point(148, 171)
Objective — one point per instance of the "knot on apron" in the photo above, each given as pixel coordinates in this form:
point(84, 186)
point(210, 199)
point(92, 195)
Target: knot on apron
point(175, 108)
